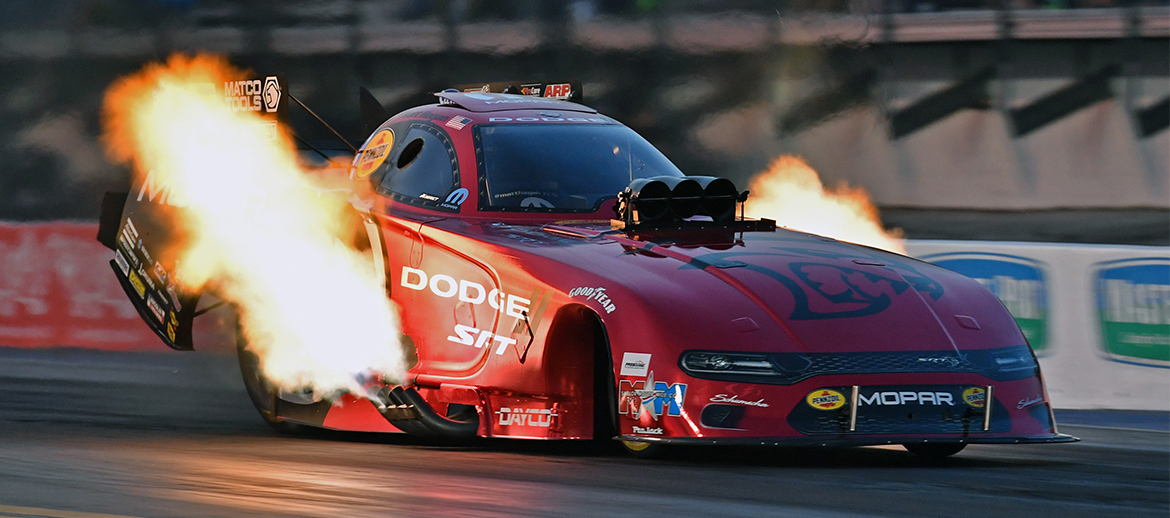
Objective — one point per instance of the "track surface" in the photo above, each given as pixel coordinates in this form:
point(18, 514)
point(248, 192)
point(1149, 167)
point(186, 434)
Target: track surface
point(173, 434)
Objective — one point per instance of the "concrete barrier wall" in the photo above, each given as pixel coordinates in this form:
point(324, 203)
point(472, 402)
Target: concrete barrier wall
point(1097, 316)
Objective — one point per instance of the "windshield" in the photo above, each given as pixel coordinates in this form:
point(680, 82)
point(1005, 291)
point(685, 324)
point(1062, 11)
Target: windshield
point(561, 167)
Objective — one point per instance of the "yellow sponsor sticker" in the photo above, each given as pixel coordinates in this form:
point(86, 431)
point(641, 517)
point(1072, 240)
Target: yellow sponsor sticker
point(825, 399)
point(975, 396)
point(137, 284)
point(373, 154)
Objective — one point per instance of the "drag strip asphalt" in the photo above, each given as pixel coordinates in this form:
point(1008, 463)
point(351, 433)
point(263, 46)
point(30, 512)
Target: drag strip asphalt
point(101, 435)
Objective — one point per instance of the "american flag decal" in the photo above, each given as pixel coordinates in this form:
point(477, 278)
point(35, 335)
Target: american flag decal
point(458, 122)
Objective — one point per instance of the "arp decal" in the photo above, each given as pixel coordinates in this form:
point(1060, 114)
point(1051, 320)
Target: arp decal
point(1133, 304)
point(1018, 282)
point(975, 396)
point(823, 290)
point(649, 397)
point(373, 154)
point(560, 91)
point(825, 399)
point(468, 335)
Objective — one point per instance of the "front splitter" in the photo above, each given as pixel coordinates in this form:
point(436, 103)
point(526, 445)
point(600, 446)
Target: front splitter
point(846, 441)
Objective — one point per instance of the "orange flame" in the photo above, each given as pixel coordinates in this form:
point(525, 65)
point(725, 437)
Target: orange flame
point(260, 233)
point(791, 193)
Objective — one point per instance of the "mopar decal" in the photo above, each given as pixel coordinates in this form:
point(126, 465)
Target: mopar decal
point(905, 397)
point(1018, 282)
point(655, 398)
point(1133, 304)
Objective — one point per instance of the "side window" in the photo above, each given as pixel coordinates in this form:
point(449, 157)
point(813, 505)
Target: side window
point(423, 170)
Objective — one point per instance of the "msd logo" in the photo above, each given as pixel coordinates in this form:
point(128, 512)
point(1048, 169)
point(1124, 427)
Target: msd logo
point(1018, 282)
point(1133, 301)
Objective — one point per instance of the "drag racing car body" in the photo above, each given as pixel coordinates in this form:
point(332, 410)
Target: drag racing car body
point(550, 294)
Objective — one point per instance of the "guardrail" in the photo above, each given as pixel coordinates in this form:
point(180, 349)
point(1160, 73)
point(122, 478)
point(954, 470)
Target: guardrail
point(1098, 316)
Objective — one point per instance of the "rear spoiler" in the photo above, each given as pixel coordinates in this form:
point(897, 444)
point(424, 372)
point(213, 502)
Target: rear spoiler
point(561, 90)
point(140, 225)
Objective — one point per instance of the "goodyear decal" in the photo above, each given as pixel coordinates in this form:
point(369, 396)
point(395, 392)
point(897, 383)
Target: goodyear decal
point(825, 399)
point(138, 286)
point(975, 396)
point(373, 154)
point(1018, 282)
point(1133, 304)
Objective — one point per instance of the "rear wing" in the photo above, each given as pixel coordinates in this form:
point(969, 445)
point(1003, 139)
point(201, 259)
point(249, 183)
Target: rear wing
point(141, 227)
point(561, 90)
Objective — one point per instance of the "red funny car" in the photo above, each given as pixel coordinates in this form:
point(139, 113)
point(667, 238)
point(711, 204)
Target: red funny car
point(562, 279)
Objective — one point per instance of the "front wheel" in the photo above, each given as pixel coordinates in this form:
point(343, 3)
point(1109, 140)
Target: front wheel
point(644, 450)
point(934, 450)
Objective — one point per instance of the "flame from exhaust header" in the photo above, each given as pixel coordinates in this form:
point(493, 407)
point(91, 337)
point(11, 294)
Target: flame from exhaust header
point(260, 232)
point(791, 193)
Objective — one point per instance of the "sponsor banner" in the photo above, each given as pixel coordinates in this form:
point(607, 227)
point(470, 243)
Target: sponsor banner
point(1098, 316)
point(57, 288)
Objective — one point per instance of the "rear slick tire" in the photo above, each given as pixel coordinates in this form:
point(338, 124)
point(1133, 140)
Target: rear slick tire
point(260, 390)
point(934, 450)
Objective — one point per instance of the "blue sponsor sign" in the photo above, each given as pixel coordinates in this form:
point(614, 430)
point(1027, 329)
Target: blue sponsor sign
point(1133, 302)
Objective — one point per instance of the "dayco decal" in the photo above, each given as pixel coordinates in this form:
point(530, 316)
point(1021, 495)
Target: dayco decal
point(468, 335)
point(597, 294)
point(1018, 282)
point(898, 398)
point(155, 308)
point(635, 364)
point(635, 399)
point(733, 399)
point(1133, 301)
point(975, 396)
point(825, 399)
point(471, 292)
point(540, 417)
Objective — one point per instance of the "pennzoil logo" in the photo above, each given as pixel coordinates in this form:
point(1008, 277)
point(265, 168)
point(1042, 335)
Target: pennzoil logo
point(373, 154)
point(825, 399)
point(975, 397)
